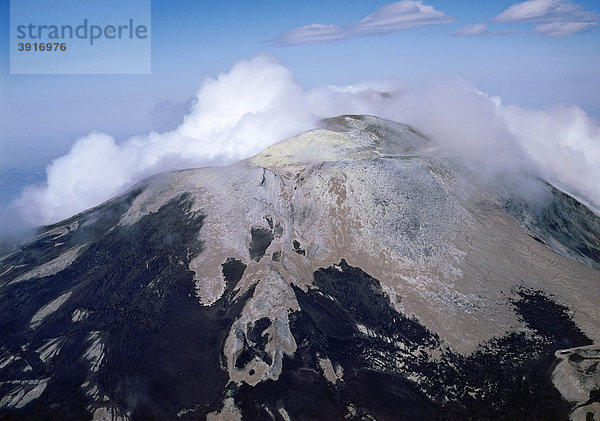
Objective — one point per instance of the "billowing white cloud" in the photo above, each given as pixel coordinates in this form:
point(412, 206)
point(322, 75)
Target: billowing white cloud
point(234, 115)
point(402, 15)
point(564, 142)
point(258, 102)
point(559, 18)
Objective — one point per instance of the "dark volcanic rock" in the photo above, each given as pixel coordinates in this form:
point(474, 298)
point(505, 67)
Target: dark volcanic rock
point(508, 378)
point(134, 283)
point(213, 293)
point(261, 240)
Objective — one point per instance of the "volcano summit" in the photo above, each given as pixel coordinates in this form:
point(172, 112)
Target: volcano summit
point(355, 271)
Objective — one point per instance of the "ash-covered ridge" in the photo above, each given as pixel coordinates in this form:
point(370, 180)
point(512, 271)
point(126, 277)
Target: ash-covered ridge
point(345, 138)
point(352, 272)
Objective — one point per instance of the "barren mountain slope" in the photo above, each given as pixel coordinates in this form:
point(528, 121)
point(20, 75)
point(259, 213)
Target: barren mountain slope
point(353, 271)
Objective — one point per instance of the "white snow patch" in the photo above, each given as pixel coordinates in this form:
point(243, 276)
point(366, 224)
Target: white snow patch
point(284, 414)
point(79, 315)
point(48, 309)
point(24, 392)
point(109, 414)
point(50, 349)
point(95, 352)
point(4, 362)
point(52, 267)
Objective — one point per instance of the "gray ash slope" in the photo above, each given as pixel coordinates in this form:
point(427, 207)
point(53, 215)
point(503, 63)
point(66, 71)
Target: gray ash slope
point(351, 272)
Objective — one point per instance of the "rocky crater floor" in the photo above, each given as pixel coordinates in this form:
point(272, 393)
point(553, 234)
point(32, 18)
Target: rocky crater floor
point(353, 272)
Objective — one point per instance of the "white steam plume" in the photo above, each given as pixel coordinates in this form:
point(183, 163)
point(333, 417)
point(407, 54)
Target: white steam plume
point(259, 102)
point(564, 142)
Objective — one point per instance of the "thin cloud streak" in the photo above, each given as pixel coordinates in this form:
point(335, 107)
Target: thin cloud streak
point(557, 18)
point(563, 29)
point(545, 11)
point(399, 16)
point(480, 30)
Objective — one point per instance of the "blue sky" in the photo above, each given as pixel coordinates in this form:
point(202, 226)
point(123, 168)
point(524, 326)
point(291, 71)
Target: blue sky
point(42, 115)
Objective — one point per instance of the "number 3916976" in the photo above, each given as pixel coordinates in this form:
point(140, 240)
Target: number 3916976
point(42, 46)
